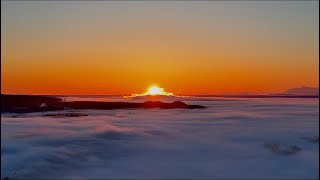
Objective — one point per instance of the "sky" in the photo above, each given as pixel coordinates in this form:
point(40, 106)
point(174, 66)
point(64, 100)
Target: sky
point(191, 47)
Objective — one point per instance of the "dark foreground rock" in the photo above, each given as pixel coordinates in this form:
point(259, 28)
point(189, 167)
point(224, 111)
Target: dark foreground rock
point(58, 115)
point(6, 178)
point(282, 148)
point(24, 104)
point(312, 139)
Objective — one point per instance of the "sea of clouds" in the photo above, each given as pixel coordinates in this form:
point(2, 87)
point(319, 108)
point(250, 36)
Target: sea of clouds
point(225, 140)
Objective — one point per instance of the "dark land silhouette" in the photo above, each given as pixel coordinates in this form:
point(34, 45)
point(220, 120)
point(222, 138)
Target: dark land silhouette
point(31, 103)
point(303, 90)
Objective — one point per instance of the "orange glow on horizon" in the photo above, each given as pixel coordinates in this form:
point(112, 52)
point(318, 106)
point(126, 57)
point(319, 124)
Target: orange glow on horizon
point(111, 48)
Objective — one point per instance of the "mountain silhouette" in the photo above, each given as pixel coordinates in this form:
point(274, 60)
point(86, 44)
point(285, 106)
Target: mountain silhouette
point(303, 90)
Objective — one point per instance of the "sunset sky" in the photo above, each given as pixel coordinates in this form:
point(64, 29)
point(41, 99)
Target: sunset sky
point(207, 47)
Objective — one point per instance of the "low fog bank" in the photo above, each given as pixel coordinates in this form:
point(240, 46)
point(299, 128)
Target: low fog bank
point(226, 140)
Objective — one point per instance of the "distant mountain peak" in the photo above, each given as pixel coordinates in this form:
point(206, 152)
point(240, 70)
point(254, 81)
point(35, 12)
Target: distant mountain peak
point(303, 90)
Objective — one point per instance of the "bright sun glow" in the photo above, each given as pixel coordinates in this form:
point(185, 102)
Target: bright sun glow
point(155, 90)
point(152, 91)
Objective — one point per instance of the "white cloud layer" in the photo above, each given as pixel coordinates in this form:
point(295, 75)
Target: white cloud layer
point(226, 140)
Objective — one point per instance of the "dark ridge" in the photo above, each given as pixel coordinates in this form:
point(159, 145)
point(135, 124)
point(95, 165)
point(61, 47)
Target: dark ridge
point(25, 103)
point(58, 115)
point(283, 149)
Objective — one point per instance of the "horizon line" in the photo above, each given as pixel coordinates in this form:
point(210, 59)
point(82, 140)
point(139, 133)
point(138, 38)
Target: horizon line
point(196, 95)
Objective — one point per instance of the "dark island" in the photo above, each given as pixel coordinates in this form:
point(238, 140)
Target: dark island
point(32, 103)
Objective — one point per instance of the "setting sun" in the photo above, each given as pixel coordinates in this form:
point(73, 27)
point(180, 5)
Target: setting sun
point(155, 90)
